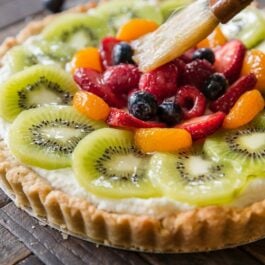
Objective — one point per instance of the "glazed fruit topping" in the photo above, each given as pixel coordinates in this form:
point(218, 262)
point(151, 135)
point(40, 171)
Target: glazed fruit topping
point(162, 82)
point(228, 100)
point(203, 126)
point(229, 59)
point(191, 101)
point(122, 78)
point(204, 53)
point(121, 118)
point(122, 53)
point(215, 86)
point(142, 105)
point(106, 48)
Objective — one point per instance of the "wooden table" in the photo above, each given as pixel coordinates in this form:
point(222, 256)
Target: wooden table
point(23, 240)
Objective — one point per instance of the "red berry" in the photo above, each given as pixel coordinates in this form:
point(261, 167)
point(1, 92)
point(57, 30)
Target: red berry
point(105, 49)
point(196, 73)
point(120, 118)
point(187, 56)
point(162, 82)
point(228, 100)
point(229, 59)
point(203, 126)
point(90, 81)
point(122, 78)
point(191, 101)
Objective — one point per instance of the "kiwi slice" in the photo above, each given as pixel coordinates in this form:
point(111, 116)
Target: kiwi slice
point(117, 12)
point(34, 87)
point(46, 137)
point(107, 163)
point(191, 177)
point(248, 26)
point(76, 30)
point(244, 147)
point(261, 46)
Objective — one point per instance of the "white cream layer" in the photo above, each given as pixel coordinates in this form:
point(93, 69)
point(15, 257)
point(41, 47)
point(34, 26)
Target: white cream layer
point(65, 181)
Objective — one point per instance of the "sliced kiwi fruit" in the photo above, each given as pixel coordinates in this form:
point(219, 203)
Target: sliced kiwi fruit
point(261, 46)
point(117, 12)
point(107, 163)
point(248, 26)
point(191, 177)
point(34, 87)
point(76, 30)
point(245, 147)
point(46, 137)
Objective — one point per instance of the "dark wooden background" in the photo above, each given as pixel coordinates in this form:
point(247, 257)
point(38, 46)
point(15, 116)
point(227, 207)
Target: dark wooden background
point(23, 240)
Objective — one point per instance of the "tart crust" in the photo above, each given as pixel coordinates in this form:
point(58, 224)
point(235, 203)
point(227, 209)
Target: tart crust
point(201, 229)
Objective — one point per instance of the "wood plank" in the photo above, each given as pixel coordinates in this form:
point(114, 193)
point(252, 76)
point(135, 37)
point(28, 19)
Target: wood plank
point(3, 199)
point(31, 260)
point(257, 250)
point(50, 247)
point(11, 249)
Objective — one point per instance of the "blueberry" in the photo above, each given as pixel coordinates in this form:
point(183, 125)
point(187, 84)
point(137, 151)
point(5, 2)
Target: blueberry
point(170, 113)
point(204, 53)
point(122, 53)
point(142, 105)
point(53, 5)
point(215, 86)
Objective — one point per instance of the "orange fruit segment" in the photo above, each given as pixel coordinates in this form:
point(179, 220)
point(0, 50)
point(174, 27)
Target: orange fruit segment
point(254, 62)
point(91, 105)
point(87, 58)
point(214, 40)
point(245, 109)
point(135, 28)
point(162, 140)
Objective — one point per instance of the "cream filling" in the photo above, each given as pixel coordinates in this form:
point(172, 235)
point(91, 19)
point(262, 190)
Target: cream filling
point(64, 180)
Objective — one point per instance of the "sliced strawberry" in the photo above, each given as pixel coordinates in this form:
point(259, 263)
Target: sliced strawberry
point(120, 118)
point(228, 100)
point(191, 101)
point(122, 78)
point(105, 49)
point(229, 59)
point(203, 126)
point(162, 82)
point(196, 73)
point(90, 80)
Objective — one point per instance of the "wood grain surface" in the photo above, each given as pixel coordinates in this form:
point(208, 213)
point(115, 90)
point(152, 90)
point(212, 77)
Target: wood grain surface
point(24, 240)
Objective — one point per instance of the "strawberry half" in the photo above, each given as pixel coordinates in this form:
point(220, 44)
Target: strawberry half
point(203, 126)
point(229, 59)
point(228, 100)
point(120, 118)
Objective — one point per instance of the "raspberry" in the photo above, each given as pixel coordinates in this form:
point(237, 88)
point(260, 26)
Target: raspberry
point(196, 73)
point(106, 48)
point(122, 78)
point(227, 101)
point(191, 101)
point(162, 82)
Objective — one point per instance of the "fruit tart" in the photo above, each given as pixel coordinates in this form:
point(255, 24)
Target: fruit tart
point(166, 161)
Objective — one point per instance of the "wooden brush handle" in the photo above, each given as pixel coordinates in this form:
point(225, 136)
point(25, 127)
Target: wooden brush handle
point(224, 10)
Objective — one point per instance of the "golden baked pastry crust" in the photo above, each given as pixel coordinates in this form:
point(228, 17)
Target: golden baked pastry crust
point(195, 230)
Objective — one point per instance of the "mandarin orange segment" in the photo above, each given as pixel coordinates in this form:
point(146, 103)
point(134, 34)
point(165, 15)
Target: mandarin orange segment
point(254, 62)
point(87, 58)
point(91, 105)
point(245, 110)
point(162, 140)
point(135, 28)
point(216, 39)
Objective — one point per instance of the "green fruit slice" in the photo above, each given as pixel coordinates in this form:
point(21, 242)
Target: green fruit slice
point(107, 163)
point(244, 148)
point(34, 87)
point(261, 46)
point(46, 137)
point(192, 178)
point(117, 12)
point(76, 30)
point(248, 26)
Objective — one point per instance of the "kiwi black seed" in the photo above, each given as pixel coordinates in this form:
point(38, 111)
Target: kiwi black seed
point(47, 136)
point(34, 87)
